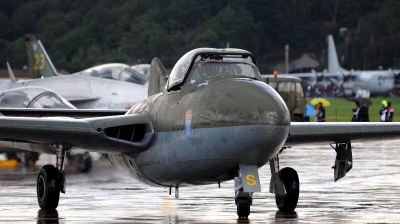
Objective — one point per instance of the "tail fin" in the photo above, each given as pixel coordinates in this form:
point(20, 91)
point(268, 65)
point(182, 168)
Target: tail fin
point(158, 77)
point(40, 65)
point(333, 62)
point(11, 73)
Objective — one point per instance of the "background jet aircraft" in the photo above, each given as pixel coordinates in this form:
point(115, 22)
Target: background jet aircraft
point(83, 91)
point(373, 82)
point(213, 120)
point(41, 66)
point(30, 97)
point(42, 98)
point(350, 83)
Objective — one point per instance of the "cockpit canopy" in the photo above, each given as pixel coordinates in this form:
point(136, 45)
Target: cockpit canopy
point(33, 97)
point(117, 71)
point(203, 63)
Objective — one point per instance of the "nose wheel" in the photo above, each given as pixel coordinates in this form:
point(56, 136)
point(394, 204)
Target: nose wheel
point(243, 207)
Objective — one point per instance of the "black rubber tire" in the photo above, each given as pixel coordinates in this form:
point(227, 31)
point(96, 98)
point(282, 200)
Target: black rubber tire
point(48, 187)
point(291, 182)
point(83, 163)
point(243, 207)
point(31, 156)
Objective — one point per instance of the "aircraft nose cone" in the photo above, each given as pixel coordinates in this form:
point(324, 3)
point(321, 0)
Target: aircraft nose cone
point(251, 120)
point(246, 102)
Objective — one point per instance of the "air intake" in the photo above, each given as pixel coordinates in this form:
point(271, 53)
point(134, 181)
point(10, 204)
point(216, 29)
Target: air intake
point(130, 133)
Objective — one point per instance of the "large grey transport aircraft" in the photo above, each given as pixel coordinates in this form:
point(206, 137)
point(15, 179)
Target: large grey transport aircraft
point(379, 82)
point(351, 83)
point(212, 120)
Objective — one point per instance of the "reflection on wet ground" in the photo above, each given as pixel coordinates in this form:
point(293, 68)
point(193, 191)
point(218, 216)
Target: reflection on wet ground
point(368, 194)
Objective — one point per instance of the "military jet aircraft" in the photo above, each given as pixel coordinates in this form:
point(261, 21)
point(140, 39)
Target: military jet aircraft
point(42, 99)
point(212, 120)
point(85, 91)
point(41, 66)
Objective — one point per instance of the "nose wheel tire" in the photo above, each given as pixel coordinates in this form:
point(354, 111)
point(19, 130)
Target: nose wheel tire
point(243, 207)
point(291, 182)
point(47, 187)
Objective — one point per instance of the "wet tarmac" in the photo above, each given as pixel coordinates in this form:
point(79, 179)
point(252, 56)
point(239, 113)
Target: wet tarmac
point(368, 194)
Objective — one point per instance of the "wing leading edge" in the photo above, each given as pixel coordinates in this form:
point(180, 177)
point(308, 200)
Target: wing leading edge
point(341, 132)
point(127, 134)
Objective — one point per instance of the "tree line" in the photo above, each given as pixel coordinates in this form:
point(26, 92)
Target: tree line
point(78, 34)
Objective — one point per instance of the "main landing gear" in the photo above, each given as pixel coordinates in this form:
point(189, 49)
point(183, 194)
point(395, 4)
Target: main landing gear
point(285, 185)
point(51, 181)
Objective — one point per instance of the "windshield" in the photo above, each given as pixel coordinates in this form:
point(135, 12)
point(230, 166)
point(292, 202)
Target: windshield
point(116, 71)
point(28, 97)
point(143, 69)
point(299, 89)
point(50, 100)
point(286, 87)
point(206, 69)
point(198, 57)
point(131, 75)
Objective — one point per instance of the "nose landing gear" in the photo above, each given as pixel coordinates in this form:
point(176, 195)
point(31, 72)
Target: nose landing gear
point(243, 207)
point(247, 183)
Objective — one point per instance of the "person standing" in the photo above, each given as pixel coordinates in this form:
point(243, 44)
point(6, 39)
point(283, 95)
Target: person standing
point(383, 111)
point(356, 111)
point(316, 112)
point(363, 115)
point(321, 113)
point(390, 112)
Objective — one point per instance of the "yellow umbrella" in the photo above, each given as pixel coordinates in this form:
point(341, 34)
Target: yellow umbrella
point(324, 101)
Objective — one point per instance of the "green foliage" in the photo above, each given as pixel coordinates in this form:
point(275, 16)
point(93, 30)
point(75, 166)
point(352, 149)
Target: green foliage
point(78, 34)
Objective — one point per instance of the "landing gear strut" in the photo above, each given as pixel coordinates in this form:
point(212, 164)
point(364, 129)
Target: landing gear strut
point(285, 185)
point(51, 181)
point(245, 184)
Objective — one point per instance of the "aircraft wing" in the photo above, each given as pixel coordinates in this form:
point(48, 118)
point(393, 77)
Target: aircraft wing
point(127, 134)
point(300, 75)
point(74, 99)
point(341, 132)
point(51, 112)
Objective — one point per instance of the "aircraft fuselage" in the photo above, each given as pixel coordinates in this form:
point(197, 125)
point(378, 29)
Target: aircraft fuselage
point(87, 92)
point(205, 131)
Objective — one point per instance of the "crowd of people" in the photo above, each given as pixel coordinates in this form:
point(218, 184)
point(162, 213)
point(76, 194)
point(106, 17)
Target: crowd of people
point(360, 112)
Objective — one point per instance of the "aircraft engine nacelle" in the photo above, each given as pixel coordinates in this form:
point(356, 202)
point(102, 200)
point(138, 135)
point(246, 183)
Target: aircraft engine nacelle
point(127, 166)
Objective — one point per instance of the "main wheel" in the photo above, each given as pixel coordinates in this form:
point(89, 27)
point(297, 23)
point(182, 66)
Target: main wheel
point(243, 207)
point(83, 162)
point(47, 188)
point(291, 182)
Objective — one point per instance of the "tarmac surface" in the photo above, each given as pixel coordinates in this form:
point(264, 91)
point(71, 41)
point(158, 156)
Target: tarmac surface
point(368, 194)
